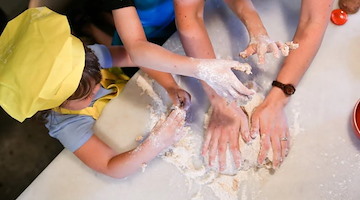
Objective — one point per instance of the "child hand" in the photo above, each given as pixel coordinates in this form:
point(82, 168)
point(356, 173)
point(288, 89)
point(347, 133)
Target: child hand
point(169, 130)
point(218, 75)
point(180, 98)
point(262, 44)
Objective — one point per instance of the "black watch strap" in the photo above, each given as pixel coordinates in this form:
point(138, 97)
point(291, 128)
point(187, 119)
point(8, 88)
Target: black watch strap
point(288, 89)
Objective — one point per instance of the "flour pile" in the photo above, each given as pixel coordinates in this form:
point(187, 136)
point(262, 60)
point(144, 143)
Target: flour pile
point(232, 183)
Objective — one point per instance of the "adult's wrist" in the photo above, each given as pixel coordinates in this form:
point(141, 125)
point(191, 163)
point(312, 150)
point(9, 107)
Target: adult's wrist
point(277, 97)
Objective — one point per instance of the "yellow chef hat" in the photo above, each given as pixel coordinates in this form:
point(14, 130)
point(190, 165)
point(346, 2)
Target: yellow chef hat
point(41, 63)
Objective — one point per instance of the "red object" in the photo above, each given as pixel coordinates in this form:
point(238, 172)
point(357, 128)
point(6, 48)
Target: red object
point(356, 119)
point(339, 17)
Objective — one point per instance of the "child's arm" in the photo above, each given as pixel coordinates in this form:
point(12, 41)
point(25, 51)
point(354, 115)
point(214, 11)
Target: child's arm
point(120, 57)
point(178, 96)
point(102, 158)
point(143, 53)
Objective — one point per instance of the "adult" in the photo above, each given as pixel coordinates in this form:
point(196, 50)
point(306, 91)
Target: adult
point(268, 119)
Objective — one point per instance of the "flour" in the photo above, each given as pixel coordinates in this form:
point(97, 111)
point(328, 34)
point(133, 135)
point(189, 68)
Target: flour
point(157, 109)
point(146, 84)
point(232, 184)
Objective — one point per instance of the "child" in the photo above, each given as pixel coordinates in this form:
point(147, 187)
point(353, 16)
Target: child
point(42, 67)
point(75, 131)
point(53, 79)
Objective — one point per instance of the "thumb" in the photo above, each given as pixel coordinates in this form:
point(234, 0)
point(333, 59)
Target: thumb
point(244, 67)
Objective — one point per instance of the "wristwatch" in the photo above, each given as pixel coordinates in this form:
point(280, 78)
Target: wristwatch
point(288, 89)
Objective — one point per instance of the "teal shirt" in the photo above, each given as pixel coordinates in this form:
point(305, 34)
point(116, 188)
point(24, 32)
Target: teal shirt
point(155, 17)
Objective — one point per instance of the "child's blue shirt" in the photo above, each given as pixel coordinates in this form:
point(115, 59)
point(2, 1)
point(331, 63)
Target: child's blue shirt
point(74, 130)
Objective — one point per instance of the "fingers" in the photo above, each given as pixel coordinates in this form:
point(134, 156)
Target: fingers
point(276, 147)
point(235, 91)
point(213, 149)
point(241, 89)
point(283, 48)
point(274, 49)
point(280, 146)
point(261, 51)
point(244, 128)
point(235, 149)
point(285, 145)
point(261, 47)
point(250, 50)
point(244, 67)
point(264, 147)
point(255, 126)
point(176, 117)
point(222, 147)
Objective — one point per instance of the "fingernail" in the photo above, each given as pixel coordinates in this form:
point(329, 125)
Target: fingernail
point(248, 138)
point(286, 152)
point(254, 134)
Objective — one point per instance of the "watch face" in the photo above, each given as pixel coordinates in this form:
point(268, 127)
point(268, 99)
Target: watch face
point(289, 89)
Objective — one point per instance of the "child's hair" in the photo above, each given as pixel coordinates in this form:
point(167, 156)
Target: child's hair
point(91, 76)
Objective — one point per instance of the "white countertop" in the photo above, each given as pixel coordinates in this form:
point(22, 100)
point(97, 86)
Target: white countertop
point(324, 162)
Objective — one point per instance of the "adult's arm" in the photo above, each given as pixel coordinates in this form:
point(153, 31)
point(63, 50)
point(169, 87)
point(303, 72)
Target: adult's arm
point(227, 119)
point(269, 118)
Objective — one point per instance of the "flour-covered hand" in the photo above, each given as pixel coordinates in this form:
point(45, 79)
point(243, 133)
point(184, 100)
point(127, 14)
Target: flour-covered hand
point(168, 131)
point(262, 44)
point(226, 123)
point(218, 75)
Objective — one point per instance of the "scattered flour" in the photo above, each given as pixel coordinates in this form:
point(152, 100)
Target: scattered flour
point(157, 109)
point(231, 184)
point(146, 84)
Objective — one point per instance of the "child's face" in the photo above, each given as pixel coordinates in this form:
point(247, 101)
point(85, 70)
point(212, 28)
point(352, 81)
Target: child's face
point(78, 104)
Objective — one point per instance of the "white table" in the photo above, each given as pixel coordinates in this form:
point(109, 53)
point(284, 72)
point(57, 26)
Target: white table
point(324, 162)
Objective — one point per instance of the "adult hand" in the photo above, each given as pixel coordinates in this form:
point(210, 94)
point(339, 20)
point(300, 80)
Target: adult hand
point(226, 121)
point(218, 75)
point(168, 131)
point(270, 121)
point(180, 97)
point(262, 44)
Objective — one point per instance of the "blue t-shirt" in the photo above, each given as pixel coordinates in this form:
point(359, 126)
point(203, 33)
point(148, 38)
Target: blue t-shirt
point(155, 17)
point(74, 130)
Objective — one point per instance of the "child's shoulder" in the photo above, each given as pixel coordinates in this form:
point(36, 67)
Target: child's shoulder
point(57, 122)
